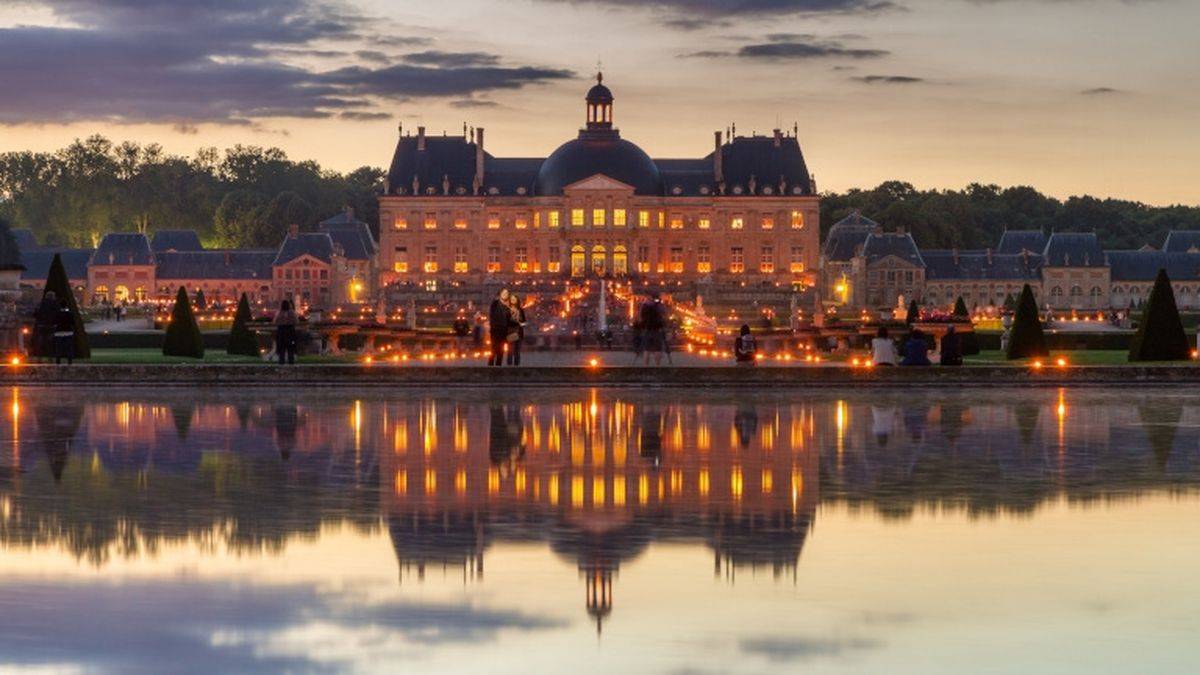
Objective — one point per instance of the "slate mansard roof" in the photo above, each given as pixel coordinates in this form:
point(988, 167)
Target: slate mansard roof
point(123, 248)
point(37, 262)
point(215, 264)
point(1144, 265)
point(1178, 241)
point(352, 235)
point(316, 244)
point(176, 240)
point(1013, 242)
point(1073, 249)
point(847, 236)
point(978, 265)
point(880, 245)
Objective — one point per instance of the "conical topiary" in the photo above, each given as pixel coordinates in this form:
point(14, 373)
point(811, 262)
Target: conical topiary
point(1160, 335)
point(960, 308)
point(183, 334)
point(914, 313)
point(241, 338)
point(968, 341)
point(1010, 303)
point(1026, 339)
point(58, 282)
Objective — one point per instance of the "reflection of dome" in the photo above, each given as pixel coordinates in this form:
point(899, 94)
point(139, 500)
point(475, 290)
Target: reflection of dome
point(591, 154)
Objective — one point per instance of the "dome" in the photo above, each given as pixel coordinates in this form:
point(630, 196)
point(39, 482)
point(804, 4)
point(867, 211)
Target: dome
point(599, 94)
point(591, 154)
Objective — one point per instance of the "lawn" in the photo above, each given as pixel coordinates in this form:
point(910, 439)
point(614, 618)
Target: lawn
point(155, 356)
point(1091, 357)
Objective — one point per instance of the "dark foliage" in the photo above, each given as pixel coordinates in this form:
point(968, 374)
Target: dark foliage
point(183, 334)
point(1027, 338)
point(914, 313)
point(57, 281)
point(1160, 335)
point(960, 308)
point(241, 338)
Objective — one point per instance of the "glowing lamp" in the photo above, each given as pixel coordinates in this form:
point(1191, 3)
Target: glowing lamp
point(593, 363)
point(15, 360)
point(1061, 362)
point(1037, 365)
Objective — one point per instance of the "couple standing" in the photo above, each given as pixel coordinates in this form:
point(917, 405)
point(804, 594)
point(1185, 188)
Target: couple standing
point(506, 328)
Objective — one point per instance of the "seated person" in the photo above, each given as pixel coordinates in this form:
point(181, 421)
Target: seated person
point(916, 350)
point(743, 347)
point(883, 351)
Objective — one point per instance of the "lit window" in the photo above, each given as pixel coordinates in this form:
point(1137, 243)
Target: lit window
point(797, 265)
point(430, 221)
point(619, 217)
point(460, 223)
point(537, 219)
point(400, 223)
point(704, 223)
point(737, 260)
point(766, 263)
point(521, 224)
point(553, 255)
point(643, 258)
point(737, 224)
point(768, 223)
point(552, 219)
point(576, 217)
point(676, 223)
point(521, 259)
point(460, 259)
point(676, 260)
point(703, 260)
point(643, 219)
point(493, 221)
point(597, 217)
point(431, 264)
point(493, 259)
point(399, 261)
point(797, 220)
point(662, 219)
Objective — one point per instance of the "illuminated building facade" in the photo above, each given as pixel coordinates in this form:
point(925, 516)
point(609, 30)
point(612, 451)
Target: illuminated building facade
point(598, 206)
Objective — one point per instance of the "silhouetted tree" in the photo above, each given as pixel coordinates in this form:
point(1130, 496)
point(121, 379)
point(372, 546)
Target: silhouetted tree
point(1027, 338)
point(183, 334)
point(58, 282)
point(1160, 335)
point(241, 339)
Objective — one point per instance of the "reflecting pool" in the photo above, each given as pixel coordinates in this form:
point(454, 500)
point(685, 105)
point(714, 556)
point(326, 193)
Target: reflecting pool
point(593, 530)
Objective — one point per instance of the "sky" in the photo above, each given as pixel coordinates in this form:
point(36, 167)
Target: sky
point(1069, 96)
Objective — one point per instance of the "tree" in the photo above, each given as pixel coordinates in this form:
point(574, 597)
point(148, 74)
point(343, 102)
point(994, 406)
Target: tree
point(1010, 303)
point(238, 219)
point(968, 341)
point(241, 338)
point(960, 309)
point(914, 313)
point(57, 282)
point(183, 334)
point(1160, 335)
point(286, 209)
point(1026, 339)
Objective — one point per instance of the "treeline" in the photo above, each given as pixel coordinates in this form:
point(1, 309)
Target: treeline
point(248, 196)
point(245, 197)
point(976, 216)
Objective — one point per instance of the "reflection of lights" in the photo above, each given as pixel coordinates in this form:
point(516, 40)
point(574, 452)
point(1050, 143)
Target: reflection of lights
point(430, 481)
point(401, 482)
point(703, 482)
point(768, 481)
point(736, 482)
point(576, 491)
point(460, 482)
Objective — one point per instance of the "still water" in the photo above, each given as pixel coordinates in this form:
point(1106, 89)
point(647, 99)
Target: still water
point(151, 530)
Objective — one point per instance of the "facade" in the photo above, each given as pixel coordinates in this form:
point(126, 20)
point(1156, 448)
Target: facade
point(863, 267)
point(598, 206)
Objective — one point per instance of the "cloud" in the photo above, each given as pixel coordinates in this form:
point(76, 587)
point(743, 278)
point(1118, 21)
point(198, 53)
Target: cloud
point(792, 47)
point(888, 79)
point(798, 648)
point(1100, 91)
point(689, 24)
point(129, 61)
point(468, 103)
point(359, 116)
point(738, 8)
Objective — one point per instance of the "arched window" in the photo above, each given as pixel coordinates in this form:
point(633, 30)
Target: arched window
point(101, 294)
point(578, 261)
point(599, 260)
point(139, 294)
point(121, 294)
point(1094, 296)
point(620, 262)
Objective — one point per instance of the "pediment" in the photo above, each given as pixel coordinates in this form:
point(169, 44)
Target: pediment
point(599, 183)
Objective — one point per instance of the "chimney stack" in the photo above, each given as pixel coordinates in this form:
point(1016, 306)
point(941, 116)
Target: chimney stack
point(293, 230)
point(420, 139)
point(989, 256)
point(718, 170)
point(479, 156)
point(778, 138)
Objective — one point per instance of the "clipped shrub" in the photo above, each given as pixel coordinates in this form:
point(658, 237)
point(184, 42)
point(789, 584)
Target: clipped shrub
point(183, 333)
point(241, 339)
point(968, 341)
point(58, 282)
point(1160, 335)
point(914, 313)
point(960, 309)
point(1027, 338)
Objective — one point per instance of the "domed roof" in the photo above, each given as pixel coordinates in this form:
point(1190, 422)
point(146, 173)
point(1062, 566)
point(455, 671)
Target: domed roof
point(591, 154)
point(599, 94)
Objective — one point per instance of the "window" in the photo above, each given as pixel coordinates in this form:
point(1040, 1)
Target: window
point(643, 258)
point(704, 224)
point(287, 274)
point(676, 259)
point(619, 217)
point(676, 222)
point(460, 260)
point(307, 275)
point(493, 221)
point(662, 219)
point(537, 219)
point(521, 259)
point(1056, 293)
point(737, 223)
point(552, 219)
point(431, 221)
point(597, 217)
point(643, 219)
point(324, 274)
point(797, 220)
point(576, 217)
point(400, 223)
point(578, 261)
point(620, 266)
point(460, 223)
point(797, 262)
point(766, 262)
point(599, 260)
point(768, 223)
point(521, 224)
point(493, 259)
point(400, 260)
point(431, 264)
point(553, 257)
point(102, 293)
point(737, 260)
point(703, 259)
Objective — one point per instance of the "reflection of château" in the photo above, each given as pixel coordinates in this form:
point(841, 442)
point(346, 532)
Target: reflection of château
point(596, 477)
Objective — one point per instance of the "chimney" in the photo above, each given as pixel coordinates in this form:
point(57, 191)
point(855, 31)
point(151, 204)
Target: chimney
point(293, 230)
point(954, 251)
point(420, 139)
point(479, 156)
point(989, 256)
point(778, 138)
point(718, 170)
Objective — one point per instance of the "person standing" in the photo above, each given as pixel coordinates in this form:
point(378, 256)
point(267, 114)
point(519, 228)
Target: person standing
point(516, 330)
point(744, 348)
point(653, 328)
point(498, 320)
point(285, 333)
